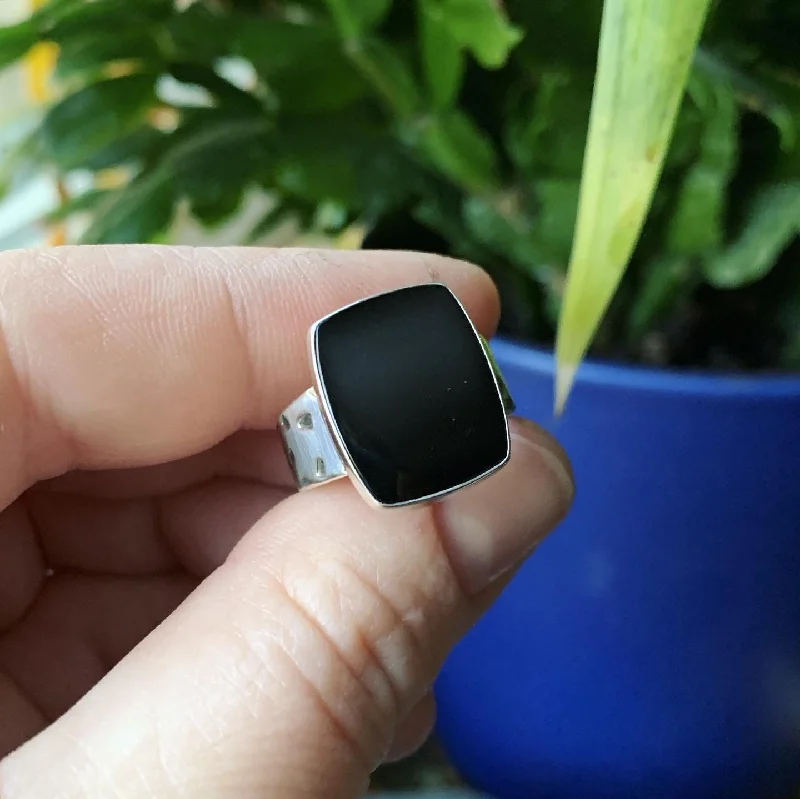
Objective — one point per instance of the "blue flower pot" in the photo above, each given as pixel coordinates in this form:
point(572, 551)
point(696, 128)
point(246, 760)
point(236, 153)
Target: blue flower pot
point(651, 648)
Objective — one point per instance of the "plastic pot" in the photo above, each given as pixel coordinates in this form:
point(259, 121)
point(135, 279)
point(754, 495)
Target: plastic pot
point(651, 648)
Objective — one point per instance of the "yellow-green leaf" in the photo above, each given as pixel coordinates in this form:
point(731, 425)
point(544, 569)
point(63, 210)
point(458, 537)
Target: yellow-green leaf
point(646, 49)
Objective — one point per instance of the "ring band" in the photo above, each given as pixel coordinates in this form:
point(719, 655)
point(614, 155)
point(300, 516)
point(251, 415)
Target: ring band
point(407, 400)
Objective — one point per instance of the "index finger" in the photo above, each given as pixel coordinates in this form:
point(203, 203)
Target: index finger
point(122, 356)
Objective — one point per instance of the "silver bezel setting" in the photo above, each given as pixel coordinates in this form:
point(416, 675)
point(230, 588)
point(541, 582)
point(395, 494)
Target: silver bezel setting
point(333, 427)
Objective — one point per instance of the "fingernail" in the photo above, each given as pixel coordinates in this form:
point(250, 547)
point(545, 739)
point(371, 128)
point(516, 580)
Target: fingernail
point(494, 525)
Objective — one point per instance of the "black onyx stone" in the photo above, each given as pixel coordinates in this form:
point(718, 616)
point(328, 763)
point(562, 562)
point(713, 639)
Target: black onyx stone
point(412, 393)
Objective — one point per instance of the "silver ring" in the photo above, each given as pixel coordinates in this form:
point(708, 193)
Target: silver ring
point(407, 400)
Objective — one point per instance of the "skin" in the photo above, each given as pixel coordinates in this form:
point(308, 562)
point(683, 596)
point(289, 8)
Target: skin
point(174, 620)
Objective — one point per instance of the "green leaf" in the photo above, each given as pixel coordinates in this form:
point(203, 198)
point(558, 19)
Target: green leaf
point(136, 214)
point(347, 157)
point(273, 45)
point(215, 157)
point(753, 92)
point(326, 81)
point(49, 10)
point(646, 50)
point(388, 176)
point(698, 221)
point(141, 145)
point(511, 237)
point(318, 165)
point(214, 210)
point(212, 135)
point(664, 279)
point(303, 64)
point(15, 41)
point(276, 216)
point(455, 145)
point(445, 216)
point(224, 92)
point(547, 132)
point(788, 165)
point(88, 201)
point(61, 21)
point(200, 34)
point(92, 52)
point(94, 117)
point(442, 56)
point(482, 27)
point(558, 35)
point(318, 178)
point(21, 161)
point(206, 161)
point(773, 222)
point(507, 235)
point(389, 75)
point(354, 18)
point(557, 201)
point(687, 137)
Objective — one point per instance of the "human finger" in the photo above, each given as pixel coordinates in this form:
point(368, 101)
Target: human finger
point(288, 672)
point(114, 357)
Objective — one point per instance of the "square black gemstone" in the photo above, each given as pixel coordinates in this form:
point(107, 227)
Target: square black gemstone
point(411, 391)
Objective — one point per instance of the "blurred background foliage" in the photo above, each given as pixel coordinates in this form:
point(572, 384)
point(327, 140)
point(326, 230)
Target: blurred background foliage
point(456, 126)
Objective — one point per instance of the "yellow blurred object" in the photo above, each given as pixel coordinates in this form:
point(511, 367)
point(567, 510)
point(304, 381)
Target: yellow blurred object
point(41, 63)
point(120, 69)
point(58, 236)
point(111, 178)
point(352, 238)
point(164, 118)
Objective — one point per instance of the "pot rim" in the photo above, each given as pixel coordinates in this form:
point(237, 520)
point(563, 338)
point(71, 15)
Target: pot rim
point(537, 359)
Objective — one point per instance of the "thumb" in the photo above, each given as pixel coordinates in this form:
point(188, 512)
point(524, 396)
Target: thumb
point(288, 671)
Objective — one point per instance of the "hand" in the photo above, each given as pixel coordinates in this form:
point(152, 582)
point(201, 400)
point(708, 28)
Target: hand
point(174, 620)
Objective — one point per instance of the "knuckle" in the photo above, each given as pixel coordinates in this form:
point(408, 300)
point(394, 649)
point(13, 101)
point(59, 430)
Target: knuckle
point(369, 633)
point(384, 613)
point(352, 682)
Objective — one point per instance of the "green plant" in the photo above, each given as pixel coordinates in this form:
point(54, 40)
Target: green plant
point(457, 125)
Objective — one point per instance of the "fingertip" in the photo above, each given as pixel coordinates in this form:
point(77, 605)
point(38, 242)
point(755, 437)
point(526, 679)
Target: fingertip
point(554, 452)
point(473, 284)
point(414, 730)
point(491, 527)
point(468, 281)
point(133, 355)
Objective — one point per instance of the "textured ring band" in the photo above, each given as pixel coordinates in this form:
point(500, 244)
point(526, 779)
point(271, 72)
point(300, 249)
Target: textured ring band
point(407, 400)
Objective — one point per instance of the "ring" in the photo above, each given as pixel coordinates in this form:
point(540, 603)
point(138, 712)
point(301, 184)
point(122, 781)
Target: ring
point(407, 400)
